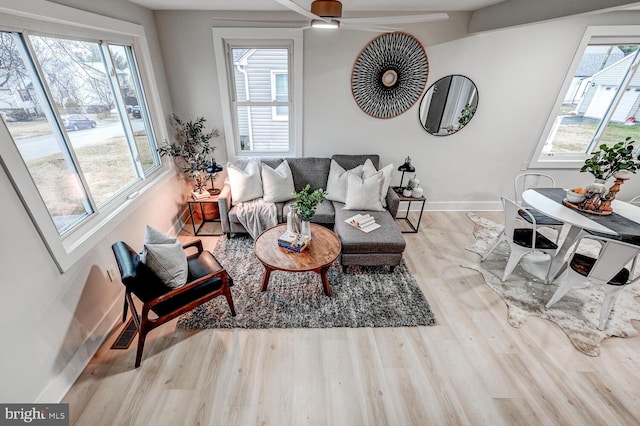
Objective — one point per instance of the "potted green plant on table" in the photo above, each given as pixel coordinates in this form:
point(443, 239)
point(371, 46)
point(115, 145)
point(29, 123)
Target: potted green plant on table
point(193, 150)
point(616, 160)
point(306, 205)
point(609, 160)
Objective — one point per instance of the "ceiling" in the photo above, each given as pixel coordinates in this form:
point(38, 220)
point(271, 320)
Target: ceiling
point(348, 5)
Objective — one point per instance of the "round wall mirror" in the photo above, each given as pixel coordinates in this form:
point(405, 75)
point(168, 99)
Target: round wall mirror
point(448, 105)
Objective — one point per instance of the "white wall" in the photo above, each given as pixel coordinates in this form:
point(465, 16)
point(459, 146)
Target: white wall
point(51, 323)
point(518, 73)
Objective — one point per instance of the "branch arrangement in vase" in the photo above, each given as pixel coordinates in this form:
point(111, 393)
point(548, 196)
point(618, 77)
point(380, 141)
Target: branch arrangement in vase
point(307, 203)
point(193, 148)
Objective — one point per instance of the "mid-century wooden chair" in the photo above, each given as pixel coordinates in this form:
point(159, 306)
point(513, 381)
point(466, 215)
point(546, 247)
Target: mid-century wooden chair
point(607, 269)
point(207, 279)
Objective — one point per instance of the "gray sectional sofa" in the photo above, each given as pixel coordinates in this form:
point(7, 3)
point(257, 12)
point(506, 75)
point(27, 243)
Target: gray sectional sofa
point(383, 246)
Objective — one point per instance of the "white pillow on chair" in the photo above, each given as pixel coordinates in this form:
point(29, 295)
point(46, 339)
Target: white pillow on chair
point(246, 184)
point(337, 181)
point(364, 193)
point(277, 183)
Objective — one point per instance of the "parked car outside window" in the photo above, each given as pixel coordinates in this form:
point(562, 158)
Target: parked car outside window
point(135, 112)
point(77, 122)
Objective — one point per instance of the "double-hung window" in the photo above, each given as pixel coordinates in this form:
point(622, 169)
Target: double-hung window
point(599, 102)
point(260, 75)
point(78, 137)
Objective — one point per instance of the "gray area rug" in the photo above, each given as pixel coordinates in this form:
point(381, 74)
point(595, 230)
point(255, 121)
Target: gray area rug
point(577, 313)
point(363, 297)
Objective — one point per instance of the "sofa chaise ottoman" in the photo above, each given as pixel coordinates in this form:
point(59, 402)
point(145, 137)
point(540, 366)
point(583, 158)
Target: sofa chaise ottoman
point(383, 246)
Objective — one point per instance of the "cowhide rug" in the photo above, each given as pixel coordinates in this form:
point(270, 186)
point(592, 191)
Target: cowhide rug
point(577, 313)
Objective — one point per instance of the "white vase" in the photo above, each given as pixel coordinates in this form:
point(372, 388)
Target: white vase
point(306, 229)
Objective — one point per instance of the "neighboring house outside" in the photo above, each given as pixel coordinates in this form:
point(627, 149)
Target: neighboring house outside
point(595, 58)
point(261, 76)
point(602, 89)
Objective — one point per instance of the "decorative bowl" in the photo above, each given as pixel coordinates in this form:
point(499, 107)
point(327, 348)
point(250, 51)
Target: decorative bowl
point(575, 197)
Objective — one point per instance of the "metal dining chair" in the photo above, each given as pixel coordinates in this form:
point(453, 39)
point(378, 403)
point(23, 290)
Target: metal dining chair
point(609, 269)
point(531, 180)
point(522, 240)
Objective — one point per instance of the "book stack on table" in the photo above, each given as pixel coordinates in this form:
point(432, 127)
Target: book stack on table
point(292, 241)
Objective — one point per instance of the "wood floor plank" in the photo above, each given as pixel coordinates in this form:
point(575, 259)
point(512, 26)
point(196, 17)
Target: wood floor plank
point(471, 368)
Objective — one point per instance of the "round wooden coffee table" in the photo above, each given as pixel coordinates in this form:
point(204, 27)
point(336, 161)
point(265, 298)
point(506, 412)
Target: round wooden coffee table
point(323, 250)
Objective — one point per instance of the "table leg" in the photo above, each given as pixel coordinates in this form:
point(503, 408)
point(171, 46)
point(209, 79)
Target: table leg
point(558, 259)
point(265, 278)
point(325, 281)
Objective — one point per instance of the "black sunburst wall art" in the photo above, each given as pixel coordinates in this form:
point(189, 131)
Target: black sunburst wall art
point(389, 75)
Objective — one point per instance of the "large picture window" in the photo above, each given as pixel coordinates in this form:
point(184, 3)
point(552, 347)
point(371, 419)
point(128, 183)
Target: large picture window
point(260, 80)
point(78, 98)
point(69, 108)
point(599, 103)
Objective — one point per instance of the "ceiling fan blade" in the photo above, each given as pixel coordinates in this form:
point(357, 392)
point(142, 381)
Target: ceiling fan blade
point(372, 28)
point(260, 21)
point(289, 4)
point(404, 19)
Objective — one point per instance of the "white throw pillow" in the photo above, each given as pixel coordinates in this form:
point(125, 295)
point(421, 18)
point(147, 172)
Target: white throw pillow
point(165, 257)
point(245, 183)
point(337, 181)
point(364, 193)
point(369, 170)
point(277, 184)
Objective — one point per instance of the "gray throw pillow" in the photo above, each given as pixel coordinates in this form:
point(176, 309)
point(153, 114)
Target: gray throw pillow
point(165, 256)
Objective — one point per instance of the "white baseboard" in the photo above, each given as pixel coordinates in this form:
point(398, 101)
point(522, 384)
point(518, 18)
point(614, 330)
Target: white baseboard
point(60, 385)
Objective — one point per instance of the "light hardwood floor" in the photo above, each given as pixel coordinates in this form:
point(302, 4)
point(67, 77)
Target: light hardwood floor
point(472, 368)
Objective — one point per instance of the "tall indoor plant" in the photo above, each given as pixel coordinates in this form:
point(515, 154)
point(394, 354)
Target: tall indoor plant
point(193, 149)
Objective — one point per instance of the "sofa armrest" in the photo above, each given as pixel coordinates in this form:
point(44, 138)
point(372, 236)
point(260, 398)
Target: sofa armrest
point(393, 202)
point(224, 205)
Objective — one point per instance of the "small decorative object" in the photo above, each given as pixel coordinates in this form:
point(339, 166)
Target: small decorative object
point(417, 192)
point(576, 195)
point(293, 220)
point(194, 150)
point(406, 167)
point(389, 75)
point(407, 190)
point(306, 205)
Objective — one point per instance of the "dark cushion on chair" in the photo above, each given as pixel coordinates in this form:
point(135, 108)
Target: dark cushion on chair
point(582, 264)
point(541, 218)
point(522, 237)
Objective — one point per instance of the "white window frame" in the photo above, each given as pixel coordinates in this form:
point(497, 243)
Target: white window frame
point(619, 34)
point(259, 37)
point(274, 92)
point(43, 17)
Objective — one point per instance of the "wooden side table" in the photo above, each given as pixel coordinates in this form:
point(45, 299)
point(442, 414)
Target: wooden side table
point(409, 200)
point(207, 209)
